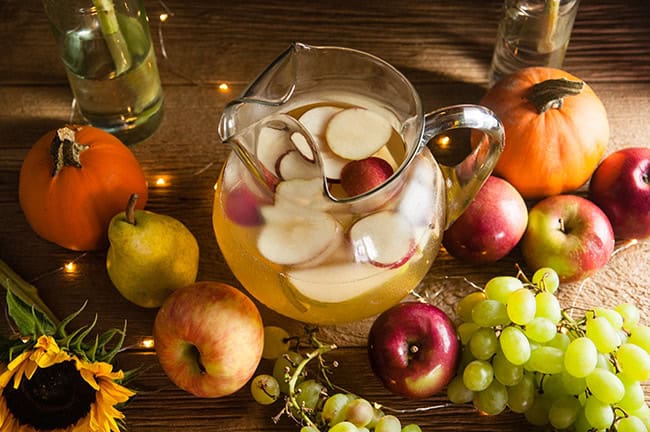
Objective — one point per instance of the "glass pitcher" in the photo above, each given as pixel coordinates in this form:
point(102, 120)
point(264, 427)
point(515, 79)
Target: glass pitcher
point(330, 207)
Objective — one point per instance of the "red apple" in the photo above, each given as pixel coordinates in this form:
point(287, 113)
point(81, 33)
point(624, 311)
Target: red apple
point(360, 176)
point(209, 338)
point(413, 349)
point(570, 234)
point(491, 226)
point(620, 186)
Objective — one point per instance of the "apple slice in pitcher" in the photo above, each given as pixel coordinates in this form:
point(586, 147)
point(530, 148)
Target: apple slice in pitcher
point(272, 144)
point(293, 165)
point(334, 283)
point(357, 133)
point(292, 235)
point(384, 239)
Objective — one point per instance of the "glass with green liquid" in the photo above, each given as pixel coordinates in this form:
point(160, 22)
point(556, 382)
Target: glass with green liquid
point(106, 48)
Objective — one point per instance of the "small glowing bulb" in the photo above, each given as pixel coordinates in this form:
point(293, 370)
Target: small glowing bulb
point(444, 141)
point(70, 267)
point(147, 342)
point(223, 87)
point(160, 181)
point(164, 17)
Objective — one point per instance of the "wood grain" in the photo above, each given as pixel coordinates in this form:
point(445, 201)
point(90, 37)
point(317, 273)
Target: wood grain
point(443, 47)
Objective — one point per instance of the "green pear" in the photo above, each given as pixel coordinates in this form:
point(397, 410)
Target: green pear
point(150, 255)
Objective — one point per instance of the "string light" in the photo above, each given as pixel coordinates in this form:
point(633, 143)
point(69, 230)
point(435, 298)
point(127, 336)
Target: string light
point(443, 141)
point(161, 181)
point(146, 342)
point(224, 88)
point(70, 267)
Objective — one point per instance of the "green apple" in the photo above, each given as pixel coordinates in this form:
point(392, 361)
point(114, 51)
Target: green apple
point(150, 255)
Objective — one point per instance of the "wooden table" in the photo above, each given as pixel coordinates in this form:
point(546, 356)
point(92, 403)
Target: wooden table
point(444, 47)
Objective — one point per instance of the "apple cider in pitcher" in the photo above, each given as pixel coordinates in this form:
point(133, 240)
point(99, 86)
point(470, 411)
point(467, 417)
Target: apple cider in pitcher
point(340, 227)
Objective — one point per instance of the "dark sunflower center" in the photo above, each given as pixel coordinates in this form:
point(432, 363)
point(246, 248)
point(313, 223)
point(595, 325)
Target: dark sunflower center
point(55, 397)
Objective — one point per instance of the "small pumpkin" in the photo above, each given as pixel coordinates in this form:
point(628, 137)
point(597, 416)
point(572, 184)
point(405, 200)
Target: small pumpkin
point(556, 130)
point(73, 181)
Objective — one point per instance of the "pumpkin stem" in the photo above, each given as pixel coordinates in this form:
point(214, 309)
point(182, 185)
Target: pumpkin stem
point(130, 209)
point(65, 149)
point(550, 93)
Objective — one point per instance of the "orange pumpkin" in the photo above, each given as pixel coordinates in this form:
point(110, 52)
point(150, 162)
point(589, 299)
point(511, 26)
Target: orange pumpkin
point(556, 130)
point(73, 181)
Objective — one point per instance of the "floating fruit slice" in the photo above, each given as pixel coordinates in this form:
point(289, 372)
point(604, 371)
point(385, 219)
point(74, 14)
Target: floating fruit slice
point(384, 239)
point(293, 165)
point(316, 119)
point(242, 206)
point(336, 283)
point(303, 193)
point(357, 133)
point(271, 145)
point(293, 235)
point(360, 176)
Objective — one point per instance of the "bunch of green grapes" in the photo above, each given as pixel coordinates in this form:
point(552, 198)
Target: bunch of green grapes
point(313, 401)
point(520, 351)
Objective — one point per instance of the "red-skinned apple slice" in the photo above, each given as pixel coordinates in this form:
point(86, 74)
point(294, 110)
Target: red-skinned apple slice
point(294, 235)
point(360, 176)
point(242, 205)
point(357, 133)
point(385, 239)
point(334, 283)
point(272, 144)
point(292, 165)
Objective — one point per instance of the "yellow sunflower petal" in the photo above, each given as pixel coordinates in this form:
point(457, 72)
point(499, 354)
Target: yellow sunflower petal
point(115, 392)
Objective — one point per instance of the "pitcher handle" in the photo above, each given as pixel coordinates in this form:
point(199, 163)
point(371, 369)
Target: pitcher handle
point(464, 180)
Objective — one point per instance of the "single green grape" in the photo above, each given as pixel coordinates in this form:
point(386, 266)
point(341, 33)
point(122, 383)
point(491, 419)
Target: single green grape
point(483, 343)
point(308, 429)
point(515, 345)
point(466, 330)
point(581, 357)
point(564, 411)
point(412, 428)
point(614, 318)
point(547, 279)
point(359, 412)
point(605, 386)
point(276, 342)
point(630, 313)
point(546, 360)
point(522, 395)
point(537, 414)
point(499, 288)
point(490, 313)
point(505, 372)
point(605, 362)
point(540, 329)
point(560, 341)
point(634, 396)
point(640, 335)
point(333, 410)
point(630, 424)
point(284, 367)
point(388, 423)
point(467, 303)
point(457, 392)
point(600, 415)
point(548, 306)
point(265, 389)
point(573, 385)
point(602, 334)
point(644, 414)
point(478, 375)
point(521, 306)
point(309, 393)
point(634, 361)
point(344, 427)
point(492, 400)
point(553, 386)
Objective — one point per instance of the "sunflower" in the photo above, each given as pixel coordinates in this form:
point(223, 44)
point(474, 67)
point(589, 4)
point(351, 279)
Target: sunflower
point(54, 381)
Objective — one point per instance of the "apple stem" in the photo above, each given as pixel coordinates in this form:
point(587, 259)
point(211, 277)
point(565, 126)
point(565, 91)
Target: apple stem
point(130, 209)
point(561, 222)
